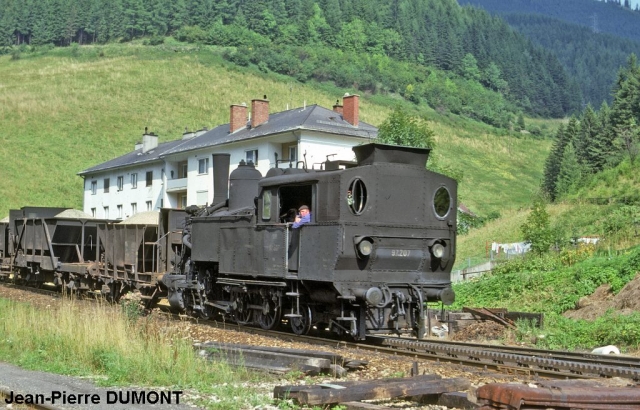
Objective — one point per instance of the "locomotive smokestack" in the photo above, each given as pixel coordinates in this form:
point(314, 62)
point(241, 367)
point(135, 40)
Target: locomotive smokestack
point(220, 177)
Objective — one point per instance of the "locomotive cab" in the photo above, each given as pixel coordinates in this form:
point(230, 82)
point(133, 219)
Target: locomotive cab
point(277, 208)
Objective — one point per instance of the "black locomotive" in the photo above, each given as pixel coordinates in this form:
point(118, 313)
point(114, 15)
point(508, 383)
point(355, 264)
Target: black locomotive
point(380, 243)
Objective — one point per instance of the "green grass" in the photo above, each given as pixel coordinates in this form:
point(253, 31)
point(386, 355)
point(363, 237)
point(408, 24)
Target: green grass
point(552, 285)
point(65, 110)
point(103, 343)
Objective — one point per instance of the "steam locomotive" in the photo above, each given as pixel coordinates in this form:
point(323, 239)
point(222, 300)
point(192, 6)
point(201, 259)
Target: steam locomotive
point(380, 243)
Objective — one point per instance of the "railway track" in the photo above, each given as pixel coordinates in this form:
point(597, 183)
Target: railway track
point(504, 359)
point(525, 362)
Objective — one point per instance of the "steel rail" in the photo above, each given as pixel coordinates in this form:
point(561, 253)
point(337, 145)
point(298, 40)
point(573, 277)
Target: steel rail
point(526, 360)
point(612, 360)
point(505, 359)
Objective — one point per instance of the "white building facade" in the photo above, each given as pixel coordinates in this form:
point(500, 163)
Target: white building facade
point(179, 173)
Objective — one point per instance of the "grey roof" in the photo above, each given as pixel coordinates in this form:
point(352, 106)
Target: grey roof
point(310, 118)
point(136, 157)
point(313, 118)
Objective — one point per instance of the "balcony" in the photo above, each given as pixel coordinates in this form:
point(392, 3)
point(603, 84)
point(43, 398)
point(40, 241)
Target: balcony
point(177, 185)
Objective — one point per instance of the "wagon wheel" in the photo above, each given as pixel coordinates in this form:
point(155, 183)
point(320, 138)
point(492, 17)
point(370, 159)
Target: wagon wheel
point(301, 325)
point(270, 315)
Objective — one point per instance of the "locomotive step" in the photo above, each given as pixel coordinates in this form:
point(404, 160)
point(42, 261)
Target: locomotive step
point(296, 294)
point(292, 315)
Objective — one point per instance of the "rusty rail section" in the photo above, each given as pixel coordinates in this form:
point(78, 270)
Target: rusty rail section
point(526, 361)
point(557, 395)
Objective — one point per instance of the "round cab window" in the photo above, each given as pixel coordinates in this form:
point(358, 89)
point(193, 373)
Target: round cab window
point(357, 196)
point(442, 202)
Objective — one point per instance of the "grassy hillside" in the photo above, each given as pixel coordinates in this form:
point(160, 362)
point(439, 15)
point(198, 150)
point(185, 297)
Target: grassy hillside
point(604, 205)
point(64, 110)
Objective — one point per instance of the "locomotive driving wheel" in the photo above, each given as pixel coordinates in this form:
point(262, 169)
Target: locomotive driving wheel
point(243, 315)
point(206, 312)
point(271, 313)
point(301, 325)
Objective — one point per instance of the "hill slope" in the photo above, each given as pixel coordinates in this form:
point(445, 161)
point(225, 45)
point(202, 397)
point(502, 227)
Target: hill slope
point(604, 17)
point(591, 57)
point(66, 110)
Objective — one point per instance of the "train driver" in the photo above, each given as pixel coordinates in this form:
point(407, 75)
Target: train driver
point(304, 217)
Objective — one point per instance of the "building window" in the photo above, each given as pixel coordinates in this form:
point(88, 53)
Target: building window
point(203, 166)
point(120, 181)
point(293, 155)
point(149, 178)
point(251, 156)
point(134, 208)
point(134, 181)
point(119, 211)
point(106, 212)
point(182, 201)
point(93, 212)
point(183, 168)
point(106, 185)
point(149, 206)
point(94, 187)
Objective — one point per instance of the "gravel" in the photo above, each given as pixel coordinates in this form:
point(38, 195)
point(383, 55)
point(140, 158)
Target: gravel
point(380, 365)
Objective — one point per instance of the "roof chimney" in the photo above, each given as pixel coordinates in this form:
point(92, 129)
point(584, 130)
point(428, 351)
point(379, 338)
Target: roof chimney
point(149, 141)
point(259, 111)
point(337, 107)
point(188, 134)
point(351, 110)
point(238, 117)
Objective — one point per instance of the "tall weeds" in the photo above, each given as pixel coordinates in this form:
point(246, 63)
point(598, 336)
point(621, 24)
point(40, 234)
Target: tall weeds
point(100, 340)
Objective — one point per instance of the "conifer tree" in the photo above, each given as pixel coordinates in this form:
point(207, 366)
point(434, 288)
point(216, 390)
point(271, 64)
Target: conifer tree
point(469, 68)
point(521, 124)
point(570, 172)
point(625, 112)
point(537, 228)
point(552, 165)
point(589, 149)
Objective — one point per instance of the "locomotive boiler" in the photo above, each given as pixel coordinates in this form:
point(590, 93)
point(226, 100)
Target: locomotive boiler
point(380, 244)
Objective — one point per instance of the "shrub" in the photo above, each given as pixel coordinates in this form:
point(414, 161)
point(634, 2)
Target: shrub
point(156, 40)
point(191, 34)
